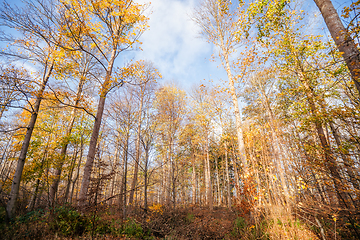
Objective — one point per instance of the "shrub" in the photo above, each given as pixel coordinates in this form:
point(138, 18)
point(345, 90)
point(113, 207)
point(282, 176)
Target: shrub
point(69, 222)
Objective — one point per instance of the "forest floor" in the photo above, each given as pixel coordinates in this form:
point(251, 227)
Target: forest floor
point(100, 222)
point(66, 222)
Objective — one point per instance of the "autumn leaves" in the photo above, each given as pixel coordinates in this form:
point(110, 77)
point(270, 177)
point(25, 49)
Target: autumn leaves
point(56, 33)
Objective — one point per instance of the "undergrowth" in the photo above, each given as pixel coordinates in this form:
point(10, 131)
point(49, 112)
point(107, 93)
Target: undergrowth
point(67, 222)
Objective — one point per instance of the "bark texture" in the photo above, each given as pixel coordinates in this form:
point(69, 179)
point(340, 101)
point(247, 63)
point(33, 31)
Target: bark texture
point(342, 39)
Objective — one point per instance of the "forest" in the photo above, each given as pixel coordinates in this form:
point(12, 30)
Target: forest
point(96, 147)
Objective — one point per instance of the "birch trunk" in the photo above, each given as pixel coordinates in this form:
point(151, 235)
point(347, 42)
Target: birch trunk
point(124, 182)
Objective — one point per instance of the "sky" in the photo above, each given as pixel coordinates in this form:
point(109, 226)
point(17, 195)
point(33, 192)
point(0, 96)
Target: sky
point(173, 44)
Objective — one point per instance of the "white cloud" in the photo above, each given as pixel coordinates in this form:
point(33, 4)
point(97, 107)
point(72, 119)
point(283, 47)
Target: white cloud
point(172, 42)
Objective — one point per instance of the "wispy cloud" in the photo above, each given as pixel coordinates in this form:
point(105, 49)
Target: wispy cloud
point(172, 42)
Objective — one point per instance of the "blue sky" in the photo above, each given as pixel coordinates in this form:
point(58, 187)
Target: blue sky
point(172, 43)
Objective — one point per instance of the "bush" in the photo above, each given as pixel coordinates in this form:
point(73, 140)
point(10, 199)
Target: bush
point(131, 228)
point(69, 222)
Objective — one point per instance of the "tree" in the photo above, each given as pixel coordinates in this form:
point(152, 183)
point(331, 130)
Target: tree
point(170, 107)
point(202, 119)
point(342, 39)
point(219, 25)
point(83, 73)
point(145, 76)
point(103, 29)
point(122, 111)
point(35, 41)
point(14, 86)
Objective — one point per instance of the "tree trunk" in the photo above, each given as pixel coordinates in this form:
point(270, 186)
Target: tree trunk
point(31, 204)
point(114, 170)
point(78, 167)
point(55, 184)
point(193, 176)
point(209, 195)
point(236, 174)
point(123, 186)
point(146, 178)
point(279, 154)
point(329, 160)
point(342, 39)
point(137, 157)
point(95, 133)
point(164, 192)
point(25, 145)
point(173, 179)
point(34, 196)
point(239, 131)
point(219, 202)
point(227, 177)
point(347, 161)
point(72, 167)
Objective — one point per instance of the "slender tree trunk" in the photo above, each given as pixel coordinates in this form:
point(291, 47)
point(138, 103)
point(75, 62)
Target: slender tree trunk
point(31, 204)
point(34, 196)
point(72, 167)
point(78, 167)
point(137, 157)
point(239, 131)
point(329, 159)
point(326, 199)
point(21, 162)
point(209, 195)
point(146, 178)
point(193, 176)
point(95, 133)
point(277, 146)
point(92, 151)
point(6, 150)
point(342, 39)
point(240, 139)
point(6, 170)
point(114, 170)
point(124, 188)
point(347, 161)
point(55, 184)
point(227, 177)
point(164, 196)
point(236, 174)
point(218, 182)
point(173, 179)
point(5, 162)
